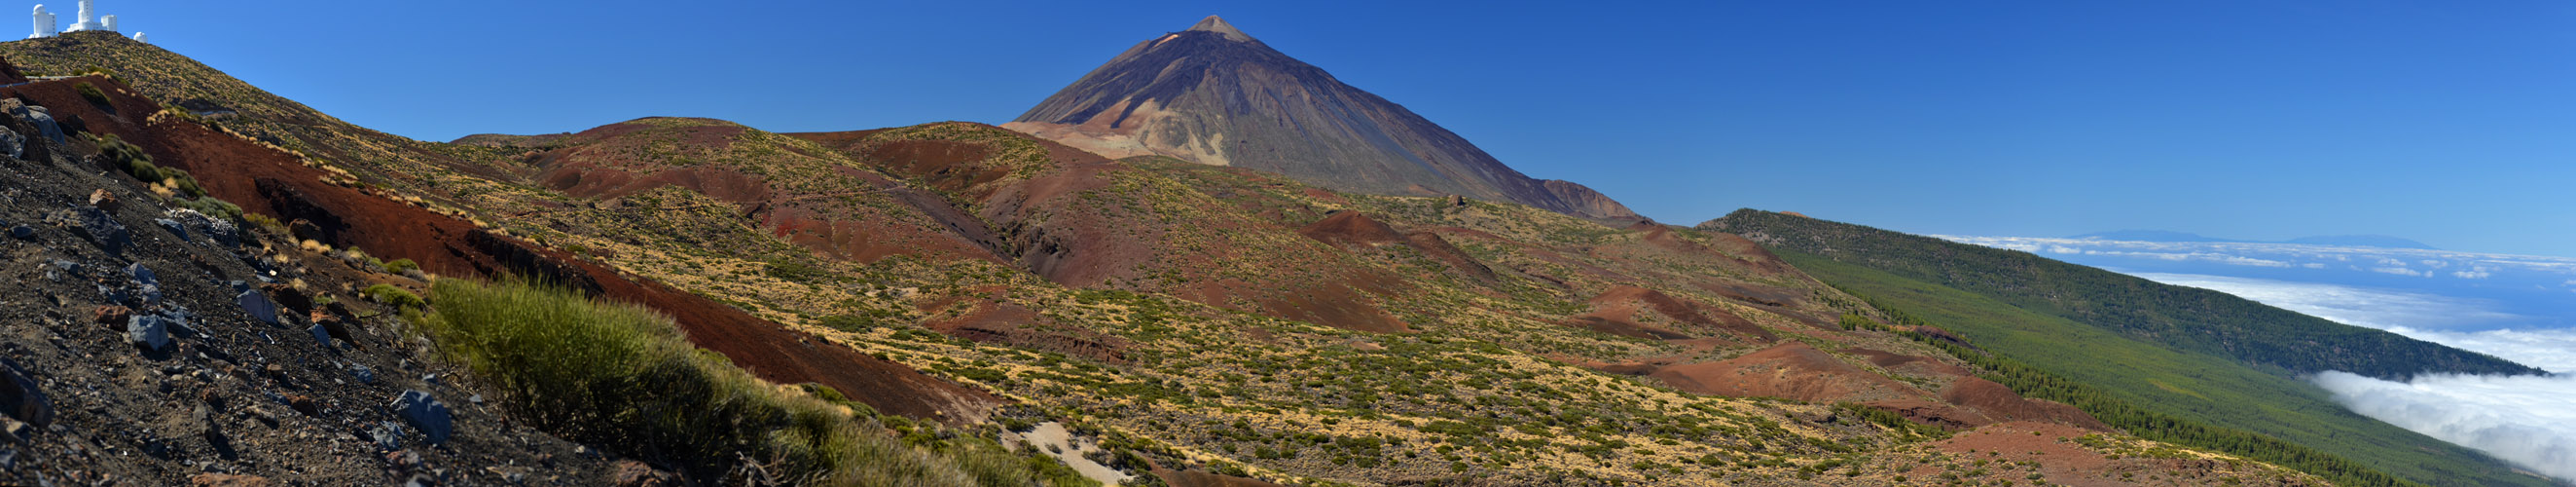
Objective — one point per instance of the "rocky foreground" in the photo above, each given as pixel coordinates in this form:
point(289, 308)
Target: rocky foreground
point(150, 345)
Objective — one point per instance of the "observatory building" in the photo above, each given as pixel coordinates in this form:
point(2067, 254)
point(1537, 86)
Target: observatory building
point(89, 19)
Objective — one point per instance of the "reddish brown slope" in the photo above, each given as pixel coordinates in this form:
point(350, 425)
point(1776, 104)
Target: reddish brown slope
point(1081, 220)
point(266, 181)
point(814, 200)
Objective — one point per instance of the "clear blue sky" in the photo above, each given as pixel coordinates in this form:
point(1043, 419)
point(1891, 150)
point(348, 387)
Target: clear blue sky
point(2453, 123)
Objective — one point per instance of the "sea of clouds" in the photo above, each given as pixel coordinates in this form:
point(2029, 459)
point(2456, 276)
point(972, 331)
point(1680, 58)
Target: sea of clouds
point(2513, 307)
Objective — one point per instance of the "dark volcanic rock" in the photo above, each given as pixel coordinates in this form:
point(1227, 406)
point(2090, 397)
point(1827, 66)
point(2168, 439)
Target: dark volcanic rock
point(41, 117)
point(101, 228)
point(258, 305)
point(20, 398)
point(13, 144)
point(426, 413)
point(1215, 95)
point(150, 331)
point(173, 226)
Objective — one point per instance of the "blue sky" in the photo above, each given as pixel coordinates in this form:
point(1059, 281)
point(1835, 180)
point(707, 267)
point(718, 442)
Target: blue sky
point(2451, 123)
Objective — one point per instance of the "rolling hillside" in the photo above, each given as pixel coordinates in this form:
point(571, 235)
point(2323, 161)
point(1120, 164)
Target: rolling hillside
point(2182, 318)
point(1940, 282)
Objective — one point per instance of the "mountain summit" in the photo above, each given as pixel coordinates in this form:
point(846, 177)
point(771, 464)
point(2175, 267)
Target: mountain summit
point(1214, 95)
point(1216, 24)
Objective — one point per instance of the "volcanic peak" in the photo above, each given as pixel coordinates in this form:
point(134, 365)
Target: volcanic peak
point(1214, 24)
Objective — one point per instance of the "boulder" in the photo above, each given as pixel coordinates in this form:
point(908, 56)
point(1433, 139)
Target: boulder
point(22, 232)
point(388, 435)
point(224, 232)
point(143, 276)
point(38, 116)
point(425, 412)
point(258, 305)
point(175, 228)
point(20, 397)
point(101, 228)
point(13, 144)
point(150, 331)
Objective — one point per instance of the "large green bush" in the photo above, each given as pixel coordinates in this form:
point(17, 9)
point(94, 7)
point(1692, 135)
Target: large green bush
point(623, 376)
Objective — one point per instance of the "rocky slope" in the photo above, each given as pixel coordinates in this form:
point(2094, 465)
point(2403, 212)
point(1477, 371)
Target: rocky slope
point(1214, 95)
point(150, 344)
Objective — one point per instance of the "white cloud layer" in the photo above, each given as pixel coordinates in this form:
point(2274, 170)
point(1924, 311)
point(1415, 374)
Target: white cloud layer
point(2552, 350)
point(2525, 420)
point(2406, 262)
point(2374, 308)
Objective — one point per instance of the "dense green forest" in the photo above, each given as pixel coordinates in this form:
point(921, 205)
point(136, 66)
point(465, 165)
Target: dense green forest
point(2183, 318)
point(2184, 386)
point(2032, 382)
point(2111, 409)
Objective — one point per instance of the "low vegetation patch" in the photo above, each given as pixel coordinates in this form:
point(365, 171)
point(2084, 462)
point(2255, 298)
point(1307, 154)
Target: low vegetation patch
point(393, 296)
point(623, 376)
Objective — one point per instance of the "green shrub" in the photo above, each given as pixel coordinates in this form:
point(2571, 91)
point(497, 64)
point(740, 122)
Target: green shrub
point(399, 266)
point(93, 94)
point(622, 375)
point(393, 296)
point(1854, 321)
point(126, 157)
point(215, 208)
point(264, 221)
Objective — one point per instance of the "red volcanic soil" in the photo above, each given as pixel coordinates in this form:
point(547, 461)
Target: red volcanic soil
point(1729, 247)
point(1616, 312)
point(1932, 413)
point(266, 181)
point(594, 180)
point(1969, 400)
point(1749, 252)
point(1356, 232)
point(1790, 370)
point(1999, 402)
point(599, 163)
point(1540, 252)
point(1352, 231)
point(1056, 233)
point(1015, 325)
point(2064, 462)
point(2015, 441)
point(946, 164)
point(1437, 248)
point(1909, 364)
